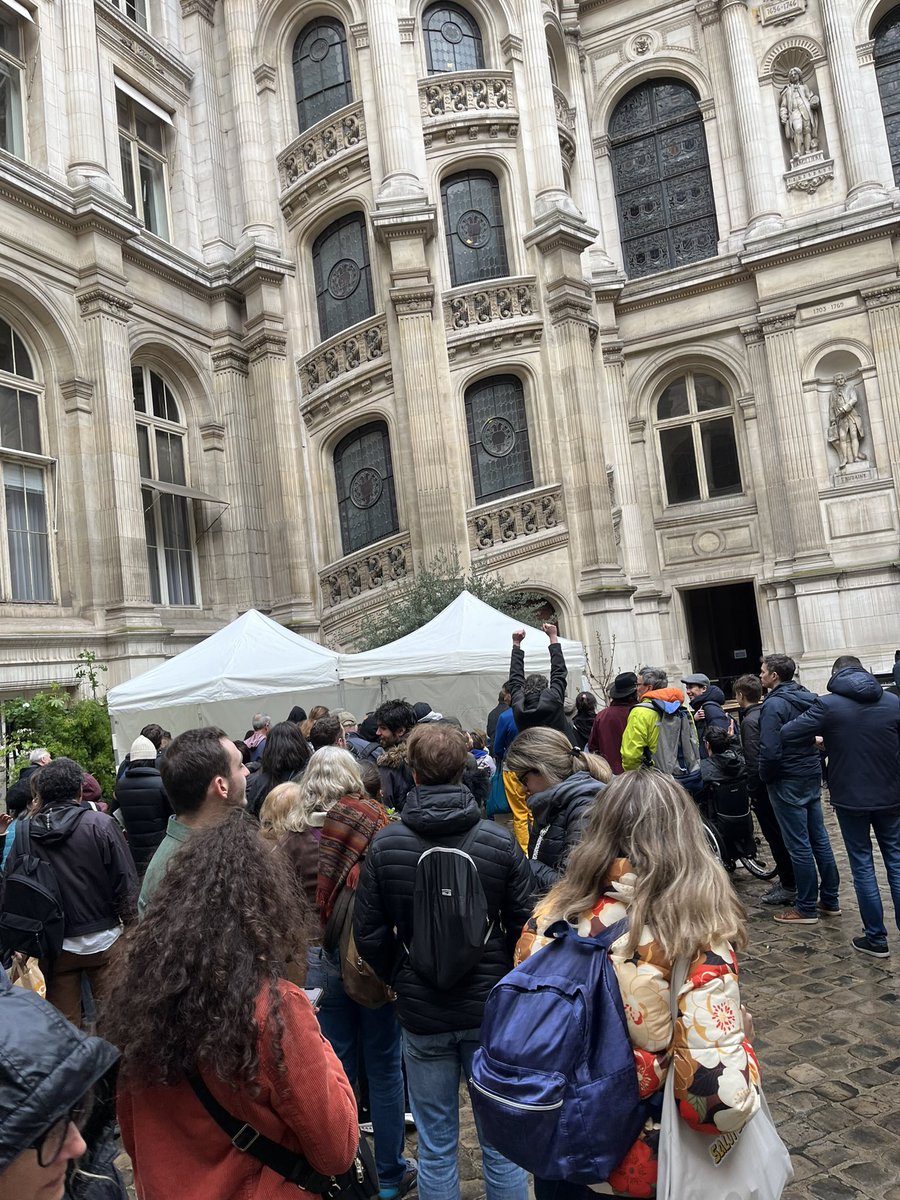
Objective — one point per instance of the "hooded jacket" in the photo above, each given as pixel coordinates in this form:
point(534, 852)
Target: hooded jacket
point(46, 1067)
point(727, 767)
point(559, 815)
point(546, 710)
point(397, 779)
point(145, 810)
point(384, 905)
point(19, 795)
point(798, 760)
point(97, 881)
point(642, 730)
point(860, 723)
point(750, 718)
point(714, 715)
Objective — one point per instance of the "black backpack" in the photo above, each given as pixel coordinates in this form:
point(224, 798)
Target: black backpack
point(451, 922)
point(31, 914)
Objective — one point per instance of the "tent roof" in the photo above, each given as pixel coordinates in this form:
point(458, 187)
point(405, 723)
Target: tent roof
point(253, 655)
point(468, 636)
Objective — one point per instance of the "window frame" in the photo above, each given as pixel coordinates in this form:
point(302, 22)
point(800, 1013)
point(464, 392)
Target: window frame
point(477, 39)
point(882, 61)
point(332, 22)
point(695, 420)
point(342, 485)
point(451, 235)
point(129, 137)
point(18, 65)
point(123, 5)
point(496, 379)
point(320, 281)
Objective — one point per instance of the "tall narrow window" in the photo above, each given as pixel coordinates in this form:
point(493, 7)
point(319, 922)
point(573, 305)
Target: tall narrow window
point(887, 72)
point(452, 39)
point(135, 10)
point(498, 437)
point(667, 214)
point(12, 66)
point(473, 222)
point(695, 423)
point(24, 473)
point(168, 523)
point(364, 475)
point(144, 164)
point(321, 71)
point(343, 275)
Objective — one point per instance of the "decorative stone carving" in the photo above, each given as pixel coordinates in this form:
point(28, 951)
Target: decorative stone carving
point(846, 430)
point(484, 303)
point(366, 571)
point(516, 518)
point(471, 104)
point(342, 131)
point(361, 344)
point(799, 112)
point(779, 12)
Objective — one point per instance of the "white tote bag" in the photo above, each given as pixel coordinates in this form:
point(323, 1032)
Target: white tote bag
point(753, 1164)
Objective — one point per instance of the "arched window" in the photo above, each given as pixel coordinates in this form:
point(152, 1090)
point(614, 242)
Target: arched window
point(343, 275)
point(498, 437)
point(24, 473)
point(321, 71)
point(887, 72)
point(473, 222)
point(168, 522)
point(452, 39)
point(667, 214)
point(695, 423)
point(364, 475)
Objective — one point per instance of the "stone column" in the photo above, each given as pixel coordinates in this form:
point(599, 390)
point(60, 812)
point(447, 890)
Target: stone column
point(762, 431)
point(883, 304)
point(732, 162)
point(631, 500)
point(763, 215)
point(87, 162)
point(791, 452)
point(549, 183)
point(398, 115)
point(256, 172)
point(853, 116)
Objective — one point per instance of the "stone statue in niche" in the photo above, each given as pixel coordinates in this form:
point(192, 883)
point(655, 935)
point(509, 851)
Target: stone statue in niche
point(845, 424)
point(799, 112)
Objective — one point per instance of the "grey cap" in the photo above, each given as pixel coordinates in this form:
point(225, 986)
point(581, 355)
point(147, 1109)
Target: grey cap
point(699, 678)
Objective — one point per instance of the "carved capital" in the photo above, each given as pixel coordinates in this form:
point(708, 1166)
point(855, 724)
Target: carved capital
point(212, 435)
point(265, 76)
point(780, 322)
point(707, 12)
point(409, 301)
point(752, 335)
point(101, 302)
point(230, 358)
point(637, 430)
point(268, 343)
point(882, 297)
point(202, 8)
point(407, 27)
point(78, 395)
point(512, 47)
point(613, 354)
point(360, 33)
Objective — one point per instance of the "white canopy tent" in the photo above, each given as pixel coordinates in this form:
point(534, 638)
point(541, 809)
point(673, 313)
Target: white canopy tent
point(252, 665)
point(456, 662)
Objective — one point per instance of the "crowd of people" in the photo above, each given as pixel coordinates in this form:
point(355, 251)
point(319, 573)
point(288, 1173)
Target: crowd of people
point(290, 937)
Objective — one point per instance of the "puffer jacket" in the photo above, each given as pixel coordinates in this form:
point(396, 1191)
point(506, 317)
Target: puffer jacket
point(546, 710)
point(642, 730)
point(860, 723)
point(559, 815)
point(384, 905)
point(798, 760)
point(716, 1070)
point(145, 810)
point(714, 715)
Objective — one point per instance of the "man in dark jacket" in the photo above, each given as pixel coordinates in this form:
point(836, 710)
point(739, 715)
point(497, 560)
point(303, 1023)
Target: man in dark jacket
point(609, 723)
point(748, 693)
point(394, 722)
point(860, 724)
point(441, 1027)
point(19, 795)
point(503, 700)
point(793, 774)
point(705, 702)
point(534, 701)
point(96, 878)
point(142, 799)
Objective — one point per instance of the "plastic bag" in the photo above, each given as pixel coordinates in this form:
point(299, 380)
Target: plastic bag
point(26, 973)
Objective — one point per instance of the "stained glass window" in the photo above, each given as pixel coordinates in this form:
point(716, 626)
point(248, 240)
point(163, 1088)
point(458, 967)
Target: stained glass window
point(364, 477)
point(887, 72)
point(498, 437)
point(321, 71)
point(343, 275)
point(473, 224)
point(452, 39)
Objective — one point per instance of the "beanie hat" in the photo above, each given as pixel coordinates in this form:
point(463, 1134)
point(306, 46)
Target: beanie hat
point(143, 750)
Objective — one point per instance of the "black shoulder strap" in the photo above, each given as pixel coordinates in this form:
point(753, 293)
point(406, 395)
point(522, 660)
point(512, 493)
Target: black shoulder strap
point(331, 934)
point(22, 840)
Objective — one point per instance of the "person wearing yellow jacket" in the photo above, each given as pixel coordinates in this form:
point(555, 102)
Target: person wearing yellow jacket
point(641, 736)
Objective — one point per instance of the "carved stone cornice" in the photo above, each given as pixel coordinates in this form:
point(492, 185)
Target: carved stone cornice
point(267, 343)
point(78, 395)
point(561, 230)
point(230, 358)
point(882, 297)
point(707, 12)
point(752, 335)
point(513, 49)
point(415, 221)
point(407, 27)
point(779, 322)
point(102, 302)
point(265, 76)
point(411, 301)
point(202, 8)
point(212, 435)
point(613, 354)
point(360, 33)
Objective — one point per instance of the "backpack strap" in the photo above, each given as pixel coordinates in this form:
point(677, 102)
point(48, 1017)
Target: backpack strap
point(562, 929)
point(332, 933)
point(22, 839)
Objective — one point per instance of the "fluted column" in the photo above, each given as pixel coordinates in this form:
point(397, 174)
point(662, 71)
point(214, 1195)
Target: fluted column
point(792, 452)
point(631, 502)
point(398, 119)
point(853, 115)
point(87, 148)
point(208, 143)
point(549, 182)
point(884, 320)
point(762, 432)
point(725, 130)
point(763, 214)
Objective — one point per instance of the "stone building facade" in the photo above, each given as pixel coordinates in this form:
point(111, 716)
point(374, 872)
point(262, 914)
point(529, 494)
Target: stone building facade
point(603, 296)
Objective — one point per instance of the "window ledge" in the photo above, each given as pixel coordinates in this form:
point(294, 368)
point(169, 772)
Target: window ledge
point(700, 511)
point(707, 275)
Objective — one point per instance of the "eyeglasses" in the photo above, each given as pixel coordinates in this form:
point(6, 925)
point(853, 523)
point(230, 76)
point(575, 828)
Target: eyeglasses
point(50, 1144)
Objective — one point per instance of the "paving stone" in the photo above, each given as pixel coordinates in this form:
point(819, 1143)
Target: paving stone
point(870, 1174)
point(827, 1187)
point(835, 1090)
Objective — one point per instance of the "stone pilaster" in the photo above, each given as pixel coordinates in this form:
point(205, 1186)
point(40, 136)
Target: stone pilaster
point(87, 164)
point(632, 500)
point(760, 429)
point(398, 118)
point(725, 131)
point(883, 304)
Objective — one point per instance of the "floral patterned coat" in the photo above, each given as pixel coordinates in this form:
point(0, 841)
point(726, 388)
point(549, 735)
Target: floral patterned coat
point(716, 1071)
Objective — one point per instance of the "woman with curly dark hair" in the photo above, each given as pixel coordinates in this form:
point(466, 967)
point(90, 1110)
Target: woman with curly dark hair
point(284, 758)
point(199, 991)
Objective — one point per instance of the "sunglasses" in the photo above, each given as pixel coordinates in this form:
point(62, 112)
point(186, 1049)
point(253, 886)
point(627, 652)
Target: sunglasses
point(50, 1144)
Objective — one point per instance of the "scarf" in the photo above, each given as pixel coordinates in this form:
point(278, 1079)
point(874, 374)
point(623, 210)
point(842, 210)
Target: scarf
point(349, 828)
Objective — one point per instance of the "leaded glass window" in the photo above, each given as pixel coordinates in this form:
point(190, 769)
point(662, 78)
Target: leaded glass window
point(343, 275)
point(321, 71)
point(498, 437)
point(473, 223)
point(664, 193)
point(887, 72)
point(695, 424)
point(364, 476)
point(452, 39)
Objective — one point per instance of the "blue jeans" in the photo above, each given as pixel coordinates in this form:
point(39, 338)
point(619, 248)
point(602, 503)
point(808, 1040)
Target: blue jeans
point(434, 1063)
point(856, 825)
point(798, 807)
point(375, 1034)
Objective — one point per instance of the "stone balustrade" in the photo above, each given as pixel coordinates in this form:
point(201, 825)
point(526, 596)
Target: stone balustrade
point(484, 303)
point(342, 132)
point(382, 563)
point(365, 343)
point(466, 92)
point(516, 518)
point(565, 114)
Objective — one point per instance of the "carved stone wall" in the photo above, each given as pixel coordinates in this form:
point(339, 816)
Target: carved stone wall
point(371, 569)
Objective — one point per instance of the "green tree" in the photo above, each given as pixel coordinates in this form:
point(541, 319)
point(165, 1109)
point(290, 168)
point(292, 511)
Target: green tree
point(434, 587)
point(65, 725)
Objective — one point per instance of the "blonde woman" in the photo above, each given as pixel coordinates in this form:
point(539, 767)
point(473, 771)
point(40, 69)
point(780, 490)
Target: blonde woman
point(561, 783)
point(643, 856)
point(286, 821)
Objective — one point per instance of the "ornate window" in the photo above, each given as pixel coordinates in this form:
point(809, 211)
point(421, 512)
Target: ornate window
point(364, 476)
point(321, 71)
point(473, 221)
point(343, 275)
point(168, 522)
point(145, 167)
point(695, 424)
point(24, 474)
point(452, 39)
point(887, 71)
point(498, 437)
point(12, 70)
point(667, 214)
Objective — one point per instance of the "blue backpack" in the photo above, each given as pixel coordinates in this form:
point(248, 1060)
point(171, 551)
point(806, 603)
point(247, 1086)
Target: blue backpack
point(554, 1081)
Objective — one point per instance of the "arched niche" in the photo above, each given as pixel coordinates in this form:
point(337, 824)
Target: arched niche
point(844, 414)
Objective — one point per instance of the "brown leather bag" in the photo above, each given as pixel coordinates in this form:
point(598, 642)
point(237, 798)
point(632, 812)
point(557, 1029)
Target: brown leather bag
point(360, 981)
